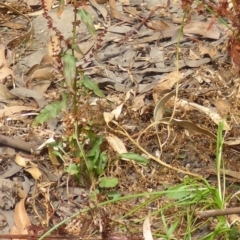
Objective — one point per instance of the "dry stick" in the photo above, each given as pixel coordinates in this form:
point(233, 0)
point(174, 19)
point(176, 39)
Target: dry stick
point(220, 212)
point(17, 143)
point(123, 132)
point(137, 28)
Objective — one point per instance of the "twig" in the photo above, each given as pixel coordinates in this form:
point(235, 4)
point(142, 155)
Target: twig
point(219, 212)
point(17, 143)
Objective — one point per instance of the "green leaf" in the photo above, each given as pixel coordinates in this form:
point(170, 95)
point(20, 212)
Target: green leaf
point(101, 163)
point(87, 20)
point(93, 194)
point(69, 69)
point(114, 195)
point(94, 153)
point(135, 157)
point(50, 111)
point(91, 85)
point(106, 182)
point(72, 169)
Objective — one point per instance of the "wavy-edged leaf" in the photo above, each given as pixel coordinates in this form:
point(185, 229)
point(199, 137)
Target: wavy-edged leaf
point(50, 111)
point(69, 69)
point(87, 20)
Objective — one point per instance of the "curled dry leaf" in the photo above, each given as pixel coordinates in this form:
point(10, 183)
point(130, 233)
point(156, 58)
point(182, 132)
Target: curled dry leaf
point(20, 160)
point(159, 108)
point(189, 126)
point(5, 94)
point(28, 166)
point(43, 74)
point(117, 144)
point(35, 172)
point(108, 117)
point(21, 219)
point(117, 111)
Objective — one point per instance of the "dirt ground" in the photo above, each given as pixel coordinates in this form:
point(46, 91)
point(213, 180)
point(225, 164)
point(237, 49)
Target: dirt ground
point(151, 70)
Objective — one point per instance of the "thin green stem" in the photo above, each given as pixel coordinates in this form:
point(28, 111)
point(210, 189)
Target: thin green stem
point(73, 44)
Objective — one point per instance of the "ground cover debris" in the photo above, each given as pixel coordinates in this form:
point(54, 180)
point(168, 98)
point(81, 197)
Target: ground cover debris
point(119, 119)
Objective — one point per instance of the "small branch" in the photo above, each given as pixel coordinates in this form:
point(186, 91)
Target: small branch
point(17, 143)
point(219, 212)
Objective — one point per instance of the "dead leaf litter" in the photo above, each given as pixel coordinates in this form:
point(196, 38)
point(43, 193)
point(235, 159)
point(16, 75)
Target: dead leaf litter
point(136, 65)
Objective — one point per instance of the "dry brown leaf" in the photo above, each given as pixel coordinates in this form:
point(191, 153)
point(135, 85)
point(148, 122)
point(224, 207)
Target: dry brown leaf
point(201, 28)
point(5, 94)
point(212, 52)
point(189, 126)
point(3, 60)
point(119, 16)
point(117, 144)
point(40, 86)
point(35, 172)
point(108, 117)
point(223, 106)
point(21, 219)
point(52, 156)
point(166, 83)
point(9, 111)
point(100, 8)
point(124, 2)
point(85, 47)
point(46, 61)
point(43, 74)
point(138, 102)
point(112, 3)
point(13, 25)
point(117, 111)
point(234, 219)
point(132, 10)
point(5, 70)
point(32, 2)
point(30, 72)
point(29, 93)
point(159, 108)
point(157, 25)
point(21, 161)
